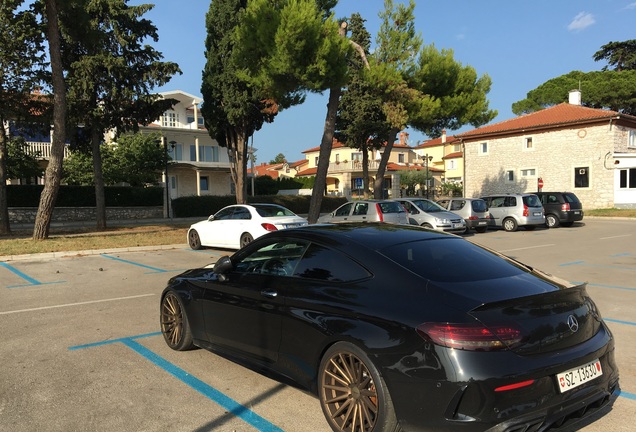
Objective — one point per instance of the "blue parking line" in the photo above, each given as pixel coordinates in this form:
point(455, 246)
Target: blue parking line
point(571, 263)
point(31, 281)
point(619, 321)
point(154, 269)
point(206, 390)
point(627, 395)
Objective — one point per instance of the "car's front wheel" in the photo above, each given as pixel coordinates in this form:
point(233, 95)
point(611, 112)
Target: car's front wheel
point(194, 241)
point(174, 323)
point(246, 238)
point(352, 393)
point(510, 224)
point(551, 221)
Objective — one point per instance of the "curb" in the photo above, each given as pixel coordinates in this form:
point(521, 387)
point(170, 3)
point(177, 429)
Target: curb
point(55, 255)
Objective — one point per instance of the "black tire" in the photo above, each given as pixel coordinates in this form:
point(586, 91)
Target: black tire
point(174, 323)
point(246, 238)
point(551, 221)
point(427, 225)
point(481, 230)
point(510, 225)
point(194, 241)
point(352, 393)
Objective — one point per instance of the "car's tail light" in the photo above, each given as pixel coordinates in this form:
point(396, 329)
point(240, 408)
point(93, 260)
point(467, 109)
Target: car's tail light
point(515, 386)
point(379, 210)
point(525, 210)
point(269, 227)
point(473, 218)
point(472, 337)
point(565, 207)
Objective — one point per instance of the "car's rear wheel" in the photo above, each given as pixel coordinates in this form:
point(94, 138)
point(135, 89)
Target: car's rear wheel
point(481, 230)
point(427, 225)
point(174, 323)
point(352, 393)
point(551, 221)
point(509, 224)
point(194, 241)
point(246, 238)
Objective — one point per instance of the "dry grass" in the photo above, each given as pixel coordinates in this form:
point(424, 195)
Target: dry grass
point(83, 239)
point(612, 212)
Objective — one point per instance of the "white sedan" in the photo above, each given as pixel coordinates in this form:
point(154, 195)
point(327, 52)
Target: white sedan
point(235, 226)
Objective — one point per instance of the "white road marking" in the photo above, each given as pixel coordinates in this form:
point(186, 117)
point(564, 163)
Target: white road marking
point(524, 248)
point(75, 304)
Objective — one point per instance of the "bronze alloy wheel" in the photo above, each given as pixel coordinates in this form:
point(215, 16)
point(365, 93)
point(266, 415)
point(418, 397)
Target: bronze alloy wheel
point(348, 394)
point(174, 323)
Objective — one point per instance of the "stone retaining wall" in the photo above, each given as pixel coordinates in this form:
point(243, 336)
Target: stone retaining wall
point(79, 214)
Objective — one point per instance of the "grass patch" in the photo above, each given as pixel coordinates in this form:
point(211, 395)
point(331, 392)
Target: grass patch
point(612, 212)
point(84, 239)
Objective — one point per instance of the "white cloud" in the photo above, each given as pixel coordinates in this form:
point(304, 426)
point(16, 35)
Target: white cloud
point(582, 21)
point(631, 6)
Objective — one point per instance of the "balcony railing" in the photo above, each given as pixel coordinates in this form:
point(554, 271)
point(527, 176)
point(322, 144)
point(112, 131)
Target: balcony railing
point(351, 166)
point(43, 149)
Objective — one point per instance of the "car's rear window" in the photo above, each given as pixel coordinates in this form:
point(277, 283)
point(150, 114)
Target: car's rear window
point(450, 260)
point(532, 201)
point(391, 207)
point(479, 206)
point(273, 211)
point(571, 198)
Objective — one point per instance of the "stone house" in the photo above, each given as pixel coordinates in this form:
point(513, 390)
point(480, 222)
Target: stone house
point(590, 152)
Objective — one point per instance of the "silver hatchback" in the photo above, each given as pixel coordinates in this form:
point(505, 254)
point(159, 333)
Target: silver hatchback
point(388, 211)
point(429, 214)
point(511, 211)
point(473, 210)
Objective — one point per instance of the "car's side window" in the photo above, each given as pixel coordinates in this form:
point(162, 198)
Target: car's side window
point(361, 209)
point(443, 203)
point(325, 264)
point(241, 213)
point(224, 214)
point(278, 258)
point(497, 202)
point(344, 210)
point(457, 205)
point(510, 202)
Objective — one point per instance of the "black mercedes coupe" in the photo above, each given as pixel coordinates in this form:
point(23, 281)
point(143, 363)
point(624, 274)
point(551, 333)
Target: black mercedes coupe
point(400, 328)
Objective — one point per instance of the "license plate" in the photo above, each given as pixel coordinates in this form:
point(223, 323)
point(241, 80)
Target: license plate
point(578, 376)
point(457, 225)
point(537, 213)
point(482, 223)
point(291, 225)
point(577, 212)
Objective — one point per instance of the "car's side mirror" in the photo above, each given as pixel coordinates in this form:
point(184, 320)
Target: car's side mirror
point(223, 266)
point(211, 218)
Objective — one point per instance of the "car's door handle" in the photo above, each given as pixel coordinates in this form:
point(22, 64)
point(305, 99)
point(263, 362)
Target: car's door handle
point(271, 294)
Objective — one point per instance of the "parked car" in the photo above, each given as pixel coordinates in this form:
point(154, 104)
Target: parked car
point(429, 214)
point(561, 208)
point(388, 211)
point(511, 211)
point(394, 327)
point(473, 210)
point(235, 226)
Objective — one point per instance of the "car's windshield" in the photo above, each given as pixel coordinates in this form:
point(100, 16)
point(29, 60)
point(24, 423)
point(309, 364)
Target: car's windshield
point(391, 207)
point(428, 206)
point(479, 206)
point(531, 201)
point(273, 211)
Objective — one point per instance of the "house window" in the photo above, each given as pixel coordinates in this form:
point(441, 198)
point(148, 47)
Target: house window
point(631, 143)
point(203, 183)
point(170, 119)
point(356, 157)
point(581, 177)
point(528, 172)
point(457, 148)
point(483, 148)
point(628, 178)
point(451, 164)
point(208, 154)
point(176, 152)
point(193, 153)
point(527, 145)
point(401, 158)
point(316, 160)
point(338, 158)
point(510, 176)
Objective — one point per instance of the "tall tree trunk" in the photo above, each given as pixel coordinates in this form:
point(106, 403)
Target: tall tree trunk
point(378, 187)
point(5, 227)
point(53, 175)
point(100, 197)
point(324, 155)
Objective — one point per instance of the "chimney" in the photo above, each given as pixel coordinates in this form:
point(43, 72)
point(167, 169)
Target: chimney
point(575, 97)
point(403, 137)
point(443, 136)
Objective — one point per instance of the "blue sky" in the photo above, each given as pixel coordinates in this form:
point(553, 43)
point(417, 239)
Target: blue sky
point(520, 45)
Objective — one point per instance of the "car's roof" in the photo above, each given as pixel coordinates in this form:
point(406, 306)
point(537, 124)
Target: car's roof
point(370, 235)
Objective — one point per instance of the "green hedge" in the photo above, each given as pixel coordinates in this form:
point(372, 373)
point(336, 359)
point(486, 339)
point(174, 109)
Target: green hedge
point(204, 206)
point(84, 196)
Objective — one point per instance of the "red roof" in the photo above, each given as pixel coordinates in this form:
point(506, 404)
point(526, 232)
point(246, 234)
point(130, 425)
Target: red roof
point(391, 166)
point(435, 142)
point(337, 144)
point(454, 155)
point(558, 116)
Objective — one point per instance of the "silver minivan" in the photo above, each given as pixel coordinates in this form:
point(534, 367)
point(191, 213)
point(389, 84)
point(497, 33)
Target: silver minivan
point(511, 211)
point(473, 210)
point(388, 211)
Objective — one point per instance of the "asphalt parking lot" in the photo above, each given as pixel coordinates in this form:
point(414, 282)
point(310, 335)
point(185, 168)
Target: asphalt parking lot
point(81, 348)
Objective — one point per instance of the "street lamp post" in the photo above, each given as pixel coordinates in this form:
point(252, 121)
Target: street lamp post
point(167, 180)
point(427, 159)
